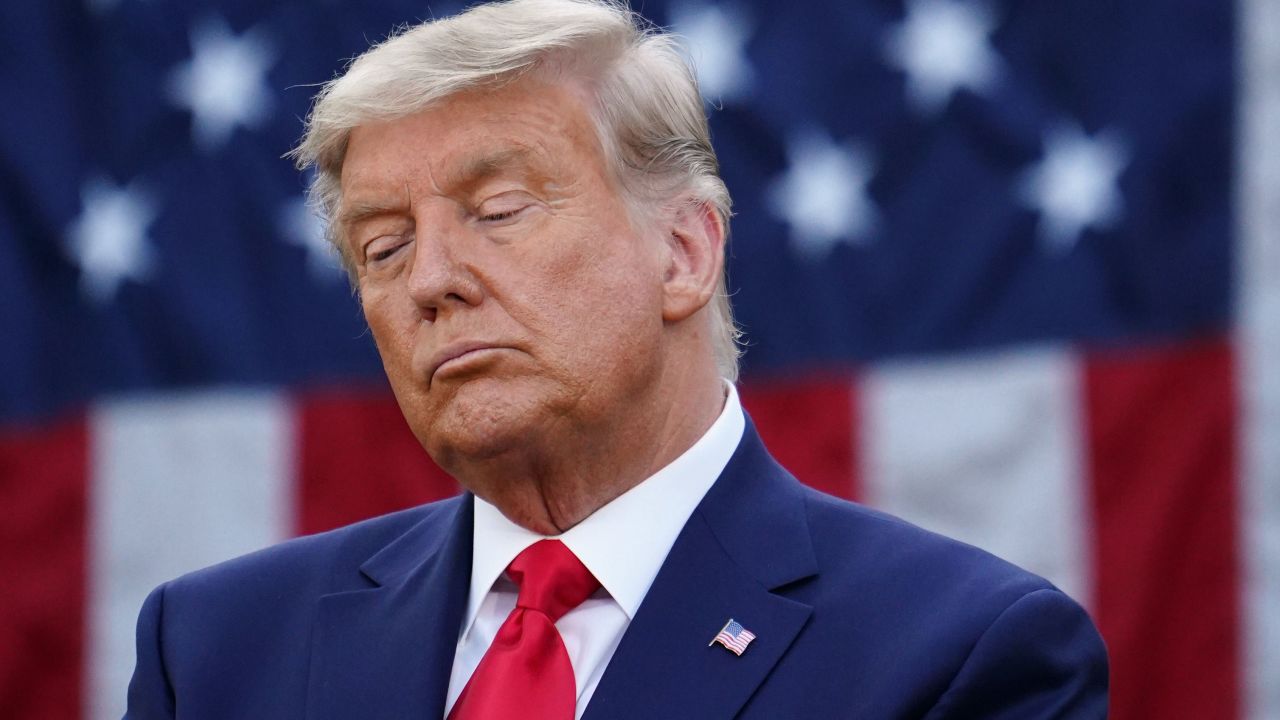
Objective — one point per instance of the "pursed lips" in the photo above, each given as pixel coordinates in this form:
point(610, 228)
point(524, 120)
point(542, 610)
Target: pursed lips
point(455, 351)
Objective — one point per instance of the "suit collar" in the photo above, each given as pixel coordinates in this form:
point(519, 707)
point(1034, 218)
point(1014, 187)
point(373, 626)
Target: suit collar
point(386, 651)
point(757, 512)
point(748, 538)
point(446, 528)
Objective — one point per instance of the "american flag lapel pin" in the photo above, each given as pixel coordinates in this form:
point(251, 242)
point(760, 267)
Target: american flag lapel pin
point(734, 637)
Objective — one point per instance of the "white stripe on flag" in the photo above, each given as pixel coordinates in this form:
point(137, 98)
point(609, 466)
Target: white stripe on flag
point(1258, 154)
point(176, 483)
point(987, 450)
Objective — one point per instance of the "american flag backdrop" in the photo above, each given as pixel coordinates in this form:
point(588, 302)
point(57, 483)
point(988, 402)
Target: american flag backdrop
point(1010, 270)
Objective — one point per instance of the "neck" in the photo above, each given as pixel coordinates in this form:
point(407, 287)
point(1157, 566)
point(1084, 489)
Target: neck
point(551, 485)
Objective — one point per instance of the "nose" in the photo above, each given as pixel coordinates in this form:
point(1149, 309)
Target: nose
point(441, 280)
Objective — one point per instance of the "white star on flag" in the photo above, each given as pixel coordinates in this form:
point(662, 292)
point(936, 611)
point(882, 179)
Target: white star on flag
point(224, 82)
point(715, 37)
point(109, 239)
point(1076, 185)
point(944, 46)
point(823, 194)
point(298, 225)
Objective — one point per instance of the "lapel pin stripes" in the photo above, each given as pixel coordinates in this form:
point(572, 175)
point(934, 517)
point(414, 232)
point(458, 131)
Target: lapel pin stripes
point(734, 637)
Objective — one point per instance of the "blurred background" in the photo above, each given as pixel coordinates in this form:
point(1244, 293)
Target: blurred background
point(1010, 270)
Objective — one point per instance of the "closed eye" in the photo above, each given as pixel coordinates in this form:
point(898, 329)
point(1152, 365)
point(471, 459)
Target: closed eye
point(502, 207)
point(384, 254)
point(500, 216)
point(384, 248)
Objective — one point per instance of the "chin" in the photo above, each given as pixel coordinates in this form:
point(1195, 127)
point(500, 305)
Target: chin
point(480, 420)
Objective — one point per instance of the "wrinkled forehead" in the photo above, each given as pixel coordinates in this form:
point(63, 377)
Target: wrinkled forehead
point(468, 125)
point(536, 133)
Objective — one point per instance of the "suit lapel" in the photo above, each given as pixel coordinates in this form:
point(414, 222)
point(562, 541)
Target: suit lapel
point(748, 537)
point(387, 651)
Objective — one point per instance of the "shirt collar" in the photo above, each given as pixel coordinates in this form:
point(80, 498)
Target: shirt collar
point(625, 542)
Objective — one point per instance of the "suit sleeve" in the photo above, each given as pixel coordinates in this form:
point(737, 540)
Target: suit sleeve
point(150, 694)
point(1041, 658)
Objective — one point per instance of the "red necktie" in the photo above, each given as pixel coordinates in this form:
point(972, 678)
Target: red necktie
point(526, 673)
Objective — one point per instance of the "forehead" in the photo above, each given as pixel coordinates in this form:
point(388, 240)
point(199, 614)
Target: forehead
point(528, 124)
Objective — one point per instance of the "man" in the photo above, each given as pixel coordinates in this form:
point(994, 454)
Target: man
point(528, 202)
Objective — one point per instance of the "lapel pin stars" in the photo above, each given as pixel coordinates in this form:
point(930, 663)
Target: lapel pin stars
point(733, 637)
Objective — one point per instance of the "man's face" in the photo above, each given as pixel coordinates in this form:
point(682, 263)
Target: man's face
point(510, 298)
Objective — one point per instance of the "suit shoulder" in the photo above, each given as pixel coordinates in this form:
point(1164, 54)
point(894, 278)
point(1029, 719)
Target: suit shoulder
point(944, 628)
point(850, 538)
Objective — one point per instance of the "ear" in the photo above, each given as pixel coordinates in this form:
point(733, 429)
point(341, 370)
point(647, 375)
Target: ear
point(694, 261)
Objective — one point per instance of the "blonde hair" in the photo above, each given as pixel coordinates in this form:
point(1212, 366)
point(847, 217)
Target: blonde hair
point(646, 106)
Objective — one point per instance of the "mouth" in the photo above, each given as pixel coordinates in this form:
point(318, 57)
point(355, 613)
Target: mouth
point(458, 357)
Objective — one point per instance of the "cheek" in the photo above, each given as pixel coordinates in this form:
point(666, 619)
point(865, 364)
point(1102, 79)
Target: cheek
point(392, 331)
point(606, 309)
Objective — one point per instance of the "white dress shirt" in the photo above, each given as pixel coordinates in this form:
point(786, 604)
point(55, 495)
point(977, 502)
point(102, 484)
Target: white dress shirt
point(623, 544)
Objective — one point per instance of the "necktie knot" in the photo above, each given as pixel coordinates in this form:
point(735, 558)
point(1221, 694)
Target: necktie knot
point(552, 579)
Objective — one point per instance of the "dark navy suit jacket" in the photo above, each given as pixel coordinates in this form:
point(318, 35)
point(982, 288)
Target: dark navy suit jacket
point(856, 615)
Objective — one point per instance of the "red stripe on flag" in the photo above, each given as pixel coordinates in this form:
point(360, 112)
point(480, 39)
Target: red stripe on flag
point(42, 560)
point(358, 459)
point(809, 425)
point(1161, 436)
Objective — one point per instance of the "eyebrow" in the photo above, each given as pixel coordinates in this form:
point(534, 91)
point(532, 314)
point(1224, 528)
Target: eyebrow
point(363, 211)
